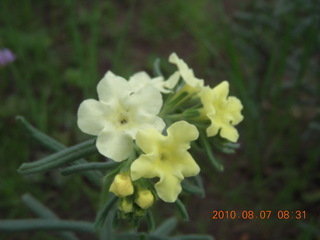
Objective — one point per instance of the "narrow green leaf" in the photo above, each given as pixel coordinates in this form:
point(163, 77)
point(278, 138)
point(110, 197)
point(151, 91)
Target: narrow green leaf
point(193, 237)
point(107, 232)
point(182, 209)
point(26, 225)
point(166, 227)
point(150, 221)
point(87, 167)
point(210, 155)
point(102, 214)
point(189, 187)
point(42, 138)
point(156, 68)
point(158, 237)
point(42, 211)
point(60, 158)
point(52, 144)
point(199, 183)
point(129, 236)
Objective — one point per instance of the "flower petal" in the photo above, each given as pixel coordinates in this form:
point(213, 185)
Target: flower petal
point(168, 188)
point(172, 80)
point(139, 80)
point(114, 144)
point(147, 99)
point(113, 87)
point(186, 72)
point(143, 167)
point(189, 167)
point(183, 132)
point(235, 106)
point(92, 116)
point(145, 137)
point(229, 132)
point(221, 90)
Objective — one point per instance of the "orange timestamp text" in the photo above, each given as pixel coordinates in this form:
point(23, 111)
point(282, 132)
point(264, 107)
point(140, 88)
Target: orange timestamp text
point(263, 214)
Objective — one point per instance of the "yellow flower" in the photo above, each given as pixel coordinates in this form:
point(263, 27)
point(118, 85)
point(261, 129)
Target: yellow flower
point(118, 115)
point(166, 157)
point(125, 206)
point(223, 111)
point(122, 185)
point(145, 198)
point(193, 84)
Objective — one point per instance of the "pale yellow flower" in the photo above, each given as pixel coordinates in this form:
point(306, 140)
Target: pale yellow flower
point(166, 157)
point(142, 79)
point(144, 199)
point(122, 185)
point(193, 83)
point(223, 111)
point(119, 114)
point(125, 206)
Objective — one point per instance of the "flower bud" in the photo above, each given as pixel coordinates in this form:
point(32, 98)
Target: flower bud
point(144, 199)
point(125, 206)
point(122, 185)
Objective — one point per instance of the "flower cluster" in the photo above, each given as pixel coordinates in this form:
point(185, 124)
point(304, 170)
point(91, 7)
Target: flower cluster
point(148, 125)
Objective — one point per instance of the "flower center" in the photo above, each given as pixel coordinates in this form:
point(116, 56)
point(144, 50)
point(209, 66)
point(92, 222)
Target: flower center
point(123, 121)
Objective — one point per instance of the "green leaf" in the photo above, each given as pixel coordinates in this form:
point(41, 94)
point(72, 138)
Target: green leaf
point(42, 211)
point(131, 236)
point(209, 152)
point(193, 237)
point(182, 209)
point(60, 158)
point(52, 144)
point(150, 221)
point(166, 227)
point(26, 225)
point(87, 167)
point(224, 146)
point(42, 138)
point(189, 187)
point(102, 214)
point(107, 232)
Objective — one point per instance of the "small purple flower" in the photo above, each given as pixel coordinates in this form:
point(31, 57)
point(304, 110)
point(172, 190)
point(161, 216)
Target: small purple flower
point(6, 56)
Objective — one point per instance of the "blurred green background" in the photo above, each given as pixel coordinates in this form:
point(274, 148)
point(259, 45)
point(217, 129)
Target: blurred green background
point(267, 50)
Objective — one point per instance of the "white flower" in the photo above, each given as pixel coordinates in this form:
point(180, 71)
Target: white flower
point(187, 74)
point(119, 114)
point(142, 79)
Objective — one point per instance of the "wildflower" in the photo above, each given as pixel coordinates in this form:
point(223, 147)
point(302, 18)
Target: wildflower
point(6, 56)
point(223, 111)
point(119, 114)
point(142, 79)
point(122, 185)
point(166, 157)
point(145, 198)
point(193, 84)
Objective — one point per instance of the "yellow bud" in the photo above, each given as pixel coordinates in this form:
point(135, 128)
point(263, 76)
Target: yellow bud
point(122, 185)
point(125, 206)
point(145, 199)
